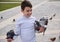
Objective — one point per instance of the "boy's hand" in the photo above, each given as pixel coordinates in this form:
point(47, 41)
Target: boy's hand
point(41, 29)
point(9, 40)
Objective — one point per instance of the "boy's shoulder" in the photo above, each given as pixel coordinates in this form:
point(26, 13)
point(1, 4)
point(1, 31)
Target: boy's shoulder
point(33, 17)
point(19, 19)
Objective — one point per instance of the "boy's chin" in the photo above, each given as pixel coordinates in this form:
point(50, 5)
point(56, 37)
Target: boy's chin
point(28, 16)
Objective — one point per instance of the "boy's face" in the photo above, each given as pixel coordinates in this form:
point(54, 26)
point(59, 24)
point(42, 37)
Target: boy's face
point(27, 11)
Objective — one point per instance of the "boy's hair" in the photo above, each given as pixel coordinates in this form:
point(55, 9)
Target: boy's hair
point(25, 4)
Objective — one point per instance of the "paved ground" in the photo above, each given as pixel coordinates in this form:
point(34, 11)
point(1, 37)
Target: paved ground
point(39, 10)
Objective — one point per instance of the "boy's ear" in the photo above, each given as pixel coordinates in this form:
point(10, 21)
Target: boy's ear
point(21, 10)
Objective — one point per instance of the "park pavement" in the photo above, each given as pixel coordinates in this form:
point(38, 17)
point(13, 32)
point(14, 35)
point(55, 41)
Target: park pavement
point(40, 10)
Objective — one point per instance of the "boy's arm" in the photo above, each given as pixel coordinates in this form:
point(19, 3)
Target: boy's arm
point(17, 30)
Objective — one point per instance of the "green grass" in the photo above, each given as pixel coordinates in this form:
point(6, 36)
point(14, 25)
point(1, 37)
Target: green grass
point(10, 0)
point(4, 6)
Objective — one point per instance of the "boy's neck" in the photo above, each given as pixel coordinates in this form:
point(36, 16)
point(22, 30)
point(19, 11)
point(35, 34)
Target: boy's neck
point(26, 16)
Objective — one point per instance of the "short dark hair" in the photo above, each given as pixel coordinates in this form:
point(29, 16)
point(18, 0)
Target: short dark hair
point(25, 4)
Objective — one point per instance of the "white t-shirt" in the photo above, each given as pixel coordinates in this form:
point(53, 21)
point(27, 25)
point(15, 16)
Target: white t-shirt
point(25, 28)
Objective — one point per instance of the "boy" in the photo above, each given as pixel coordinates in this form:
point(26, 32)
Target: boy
point(25, 24)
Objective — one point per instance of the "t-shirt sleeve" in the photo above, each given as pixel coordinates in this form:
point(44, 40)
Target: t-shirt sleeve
point(17, 30)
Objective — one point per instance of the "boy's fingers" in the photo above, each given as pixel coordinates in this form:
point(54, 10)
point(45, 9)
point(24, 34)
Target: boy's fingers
point(9, 40)
point(41, 29)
